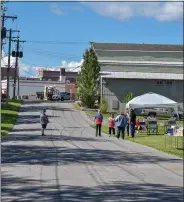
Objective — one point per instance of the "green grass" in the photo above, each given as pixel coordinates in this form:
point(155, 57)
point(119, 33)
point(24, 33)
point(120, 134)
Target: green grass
point(76, 106)
point(9, 115)
point(159, 141)
point(105, 115)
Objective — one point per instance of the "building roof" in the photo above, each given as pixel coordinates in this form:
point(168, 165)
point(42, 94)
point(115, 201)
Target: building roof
point(137, 47)
point(142, 75)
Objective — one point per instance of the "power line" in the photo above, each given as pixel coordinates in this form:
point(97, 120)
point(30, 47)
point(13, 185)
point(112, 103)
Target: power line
point(26, 72)
point(59, 42)
point(53, 55)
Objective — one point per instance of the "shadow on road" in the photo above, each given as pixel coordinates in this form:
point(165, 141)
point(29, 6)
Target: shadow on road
point(31, 190)
point(63, 109)
point(22, 116)
point(17, 154)
point(38, 108)
point(32, 119)
point(30, 138)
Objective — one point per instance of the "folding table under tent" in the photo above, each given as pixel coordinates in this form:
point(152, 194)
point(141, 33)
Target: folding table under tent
point(152, 100)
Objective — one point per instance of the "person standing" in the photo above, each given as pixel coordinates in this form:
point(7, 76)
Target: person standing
point(128, 123)
point(98, 121)
point(132, 122)
point(44, 121)
point(111, 124)
point(121, 124)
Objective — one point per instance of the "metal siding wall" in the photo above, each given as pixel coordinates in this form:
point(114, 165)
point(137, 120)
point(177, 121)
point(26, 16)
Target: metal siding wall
point(116, 89)
point(124, 68)
point(140, 56)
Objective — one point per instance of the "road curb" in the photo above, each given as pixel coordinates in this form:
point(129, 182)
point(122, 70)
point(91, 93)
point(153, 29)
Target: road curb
point(86, 117)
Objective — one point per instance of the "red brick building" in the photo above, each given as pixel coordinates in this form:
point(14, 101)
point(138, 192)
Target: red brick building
point(4, 73)
point(58, 75)
point(69, 78)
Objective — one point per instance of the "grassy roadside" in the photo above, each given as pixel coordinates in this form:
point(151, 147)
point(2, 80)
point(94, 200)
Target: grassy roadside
point(76, 106)
point(8, 116)
point(159, 141)
point(105, 115)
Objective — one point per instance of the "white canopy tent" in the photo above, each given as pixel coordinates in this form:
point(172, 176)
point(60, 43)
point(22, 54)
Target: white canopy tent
point(152, 100)
point(127, 105)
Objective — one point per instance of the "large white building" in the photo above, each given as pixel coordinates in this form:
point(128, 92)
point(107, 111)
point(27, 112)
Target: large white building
point(139, 69)
point(29, 87)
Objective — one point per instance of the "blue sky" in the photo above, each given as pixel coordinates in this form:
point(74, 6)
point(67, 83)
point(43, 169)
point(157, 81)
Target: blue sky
point(59, 22)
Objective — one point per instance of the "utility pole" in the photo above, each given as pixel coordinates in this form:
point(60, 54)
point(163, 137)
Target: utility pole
point(8, 69)
point(3, 28)
point(17, 54)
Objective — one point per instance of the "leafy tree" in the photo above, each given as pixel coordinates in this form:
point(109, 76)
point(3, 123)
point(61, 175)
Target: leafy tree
point(103, 106)
point(88, 82)
point(129, 96)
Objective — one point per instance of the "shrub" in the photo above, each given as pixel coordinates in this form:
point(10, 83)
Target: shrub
point(103, 106)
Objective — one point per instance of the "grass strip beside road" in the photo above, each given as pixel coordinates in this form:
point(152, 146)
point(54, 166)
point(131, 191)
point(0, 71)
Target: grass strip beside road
point(76, 106)
point(9, 115)
point(159, 141)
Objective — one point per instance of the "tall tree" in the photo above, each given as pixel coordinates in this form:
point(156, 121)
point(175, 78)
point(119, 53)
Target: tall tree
point(128, 96)
point(88, 82)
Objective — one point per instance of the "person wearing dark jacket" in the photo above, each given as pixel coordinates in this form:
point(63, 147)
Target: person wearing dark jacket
point(132, 122)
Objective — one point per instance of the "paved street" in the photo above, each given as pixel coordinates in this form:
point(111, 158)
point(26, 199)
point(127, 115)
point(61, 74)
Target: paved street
point(71, 164)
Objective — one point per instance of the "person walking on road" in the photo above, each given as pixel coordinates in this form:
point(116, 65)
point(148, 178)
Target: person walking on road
point(132, 122)
point(111, 124)
point(121, 124)
point(44, 121)
point(98, 121)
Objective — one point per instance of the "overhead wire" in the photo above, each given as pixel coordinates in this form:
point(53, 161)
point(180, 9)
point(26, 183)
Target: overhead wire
point(52, 54)
point(36, 65)
point(58, 42)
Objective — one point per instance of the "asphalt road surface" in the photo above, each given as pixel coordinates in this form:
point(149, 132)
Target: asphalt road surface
point(71, 164)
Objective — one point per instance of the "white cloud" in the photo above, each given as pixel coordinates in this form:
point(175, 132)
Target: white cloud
point(27, 70)
point(4, 61)
point(161, 11)
point(72, 66)
point(56, 9)
point(24, 70)
point(32, 71)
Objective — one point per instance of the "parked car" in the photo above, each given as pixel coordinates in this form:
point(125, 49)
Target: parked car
point(65, 96)
point(62, 96)
point(56, 97)
point(159, 112)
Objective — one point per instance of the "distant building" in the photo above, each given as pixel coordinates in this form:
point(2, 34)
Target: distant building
point(4, 65)
point(139, 68)
point(4, 73)
point(30, 87)
point(58, 75)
